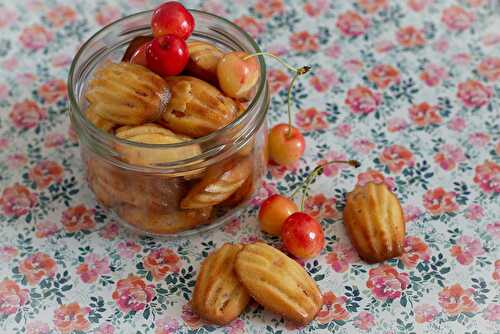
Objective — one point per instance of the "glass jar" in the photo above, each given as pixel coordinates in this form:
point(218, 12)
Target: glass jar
point(148, 195)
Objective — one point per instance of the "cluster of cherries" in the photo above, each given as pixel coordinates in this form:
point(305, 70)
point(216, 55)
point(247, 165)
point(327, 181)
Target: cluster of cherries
point(167, 54)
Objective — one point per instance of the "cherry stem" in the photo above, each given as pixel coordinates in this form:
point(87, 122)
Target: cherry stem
point(298, 71)
point(316, 171)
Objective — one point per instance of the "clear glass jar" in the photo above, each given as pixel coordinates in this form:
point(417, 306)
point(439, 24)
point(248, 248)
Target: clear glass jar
point(147, 197)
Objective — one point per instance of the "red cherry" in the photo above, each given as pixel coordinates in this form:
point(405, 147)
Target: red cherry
point(139, 56)
point(285, 148)
point(167, 55)
point(302, 236)
point(273, 213)
point(172, 18)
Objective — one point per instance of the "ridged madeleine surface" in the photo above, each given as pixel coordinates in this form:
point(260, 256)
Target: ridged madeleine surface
point(218, 296)
point(98, 121)
point(374, 220)
point(150, 133)
point(163, 222)
point(278, 283)
point(197, 108)
point(127, 94)
point(219, 183)
point(203, 59)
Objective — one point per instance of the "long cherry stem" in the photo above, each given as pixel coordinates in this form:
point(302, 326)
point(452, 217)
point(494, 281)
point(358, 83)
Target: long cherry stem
point(316, 171)
point(298, 71)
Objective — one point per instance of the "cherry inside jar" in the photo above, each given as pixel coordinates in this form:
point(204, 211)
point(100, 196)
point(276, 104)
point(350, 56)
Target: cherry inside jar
point(177, 187)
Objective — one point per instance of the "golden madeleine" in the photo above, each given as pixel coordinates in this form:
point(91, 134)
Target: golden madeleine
point(278, 283)
point(218, 295)
point(97, 120)
point(218, 184)
point(197, 108)
point(374, 221)
point(127, 94)
point(203, 59)
point(150, 133)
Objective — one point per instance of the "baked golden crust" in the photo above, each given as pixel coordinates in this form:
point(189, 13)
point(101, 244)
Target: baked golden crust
point(197, 108)
point(163, 222)
point(278, 283)
point(375, 223)
point(203, 59)
point(219, 182)
point(218, 296)
point(150, 133)
point(97, 120)
point(127, 94)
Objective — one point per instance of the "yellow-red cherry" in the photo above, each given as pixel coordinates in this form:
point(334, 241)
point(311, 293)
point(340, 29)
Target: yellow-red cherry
point(286, 144)
point(302, 236)
point(273, 213)
point(237, 73)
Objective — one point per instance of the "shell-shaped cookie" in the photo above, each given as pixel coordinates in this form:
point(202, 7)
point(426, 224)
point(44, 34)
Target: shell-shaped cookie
point(374, 221)
point(127, 94)
point(150, 133)
point(241, 194)
point(98, 121)
point(197, 108)
point(278, 283)
point(203, 59)
point(218, 295)
point(160, 222)
point(219, 182)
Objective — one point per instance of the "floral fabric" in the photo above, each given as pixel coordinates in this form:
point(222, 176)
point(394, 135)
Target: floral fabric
point(411, 88)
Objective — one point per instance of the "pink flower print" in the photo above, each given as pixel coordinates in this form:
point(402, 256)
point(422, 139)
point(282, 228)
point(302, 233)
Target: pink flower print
point(106, 14)
point(27, 114)
point(166, 325)
point(425, 313)
point(490, 68)
point(439, 201)
point(479, 139)
point(496, 272)
point(433, 74)
point(474, 212)
point(457, 123)
point(278, 171)
point(474, 94)
point(364, 321)
point(449, 156)
point(133, 294)
point(250, 25)
point(456, 18)
point(323, 80)
point(373, 6)
point(35, 37)
point(128, 248)
point(333, 51)
point(7, 17)
point(37, 266)
point(12, 297)
point(26, 78)
point(343, 130)
point(303, 41)
point(4, 91)
point(441, 44)
point(269, 8)
point(161, 261)
point(494, 230)
point(396, 158)
point(7, 253)
point(213, 6)
point(424, 114)
point(54, 140)
point(361, 100)
point(351, 24)
point(92, 268)
point(384, 75)
point(190, 318)
point(311, 119)
point(415, 250)
point(341, 256)
point(417, 5)
point(466, 248)
point(232, 227)
point(17, 200)
point(461, 58)
point(491, 39)
point(386, 282)
point(61, 60)
point(4, 143)
point(236, 327)
point(37, 327)
point(410, 37)
point(315, 8)
point(249, 239)
point(363, 146)
point(105, 328)
point(476, 3)
point(46, 228)
point(492, 312)
point(396, 124)
point(353, 65)
point(374, 176)
point(277, 80)
point(455, 300)
point(110, 231)
point(332, 170)
point(411, 213)
point(266, 189)
point(488, 176)
point(10, 64)
point(383, 46)
point(17, 160)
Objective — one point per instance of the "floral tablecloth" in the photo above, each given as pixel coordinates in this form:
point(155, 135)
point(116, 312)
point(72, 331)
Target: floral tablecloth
point(410, 88)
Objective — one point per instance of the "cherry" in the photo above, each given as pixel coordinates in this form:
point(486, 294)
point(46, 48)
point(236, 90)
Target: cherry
point(286, 144)
point(302, 236)
point(237, 73)
point(139, 56)
point(273, 213)
point(135, 44)
point(167, 55)
point(172, 18)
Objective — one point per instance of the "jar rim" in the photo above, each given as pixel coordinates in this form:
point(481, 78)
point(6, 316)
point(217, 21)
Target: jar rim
point(76, 111)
